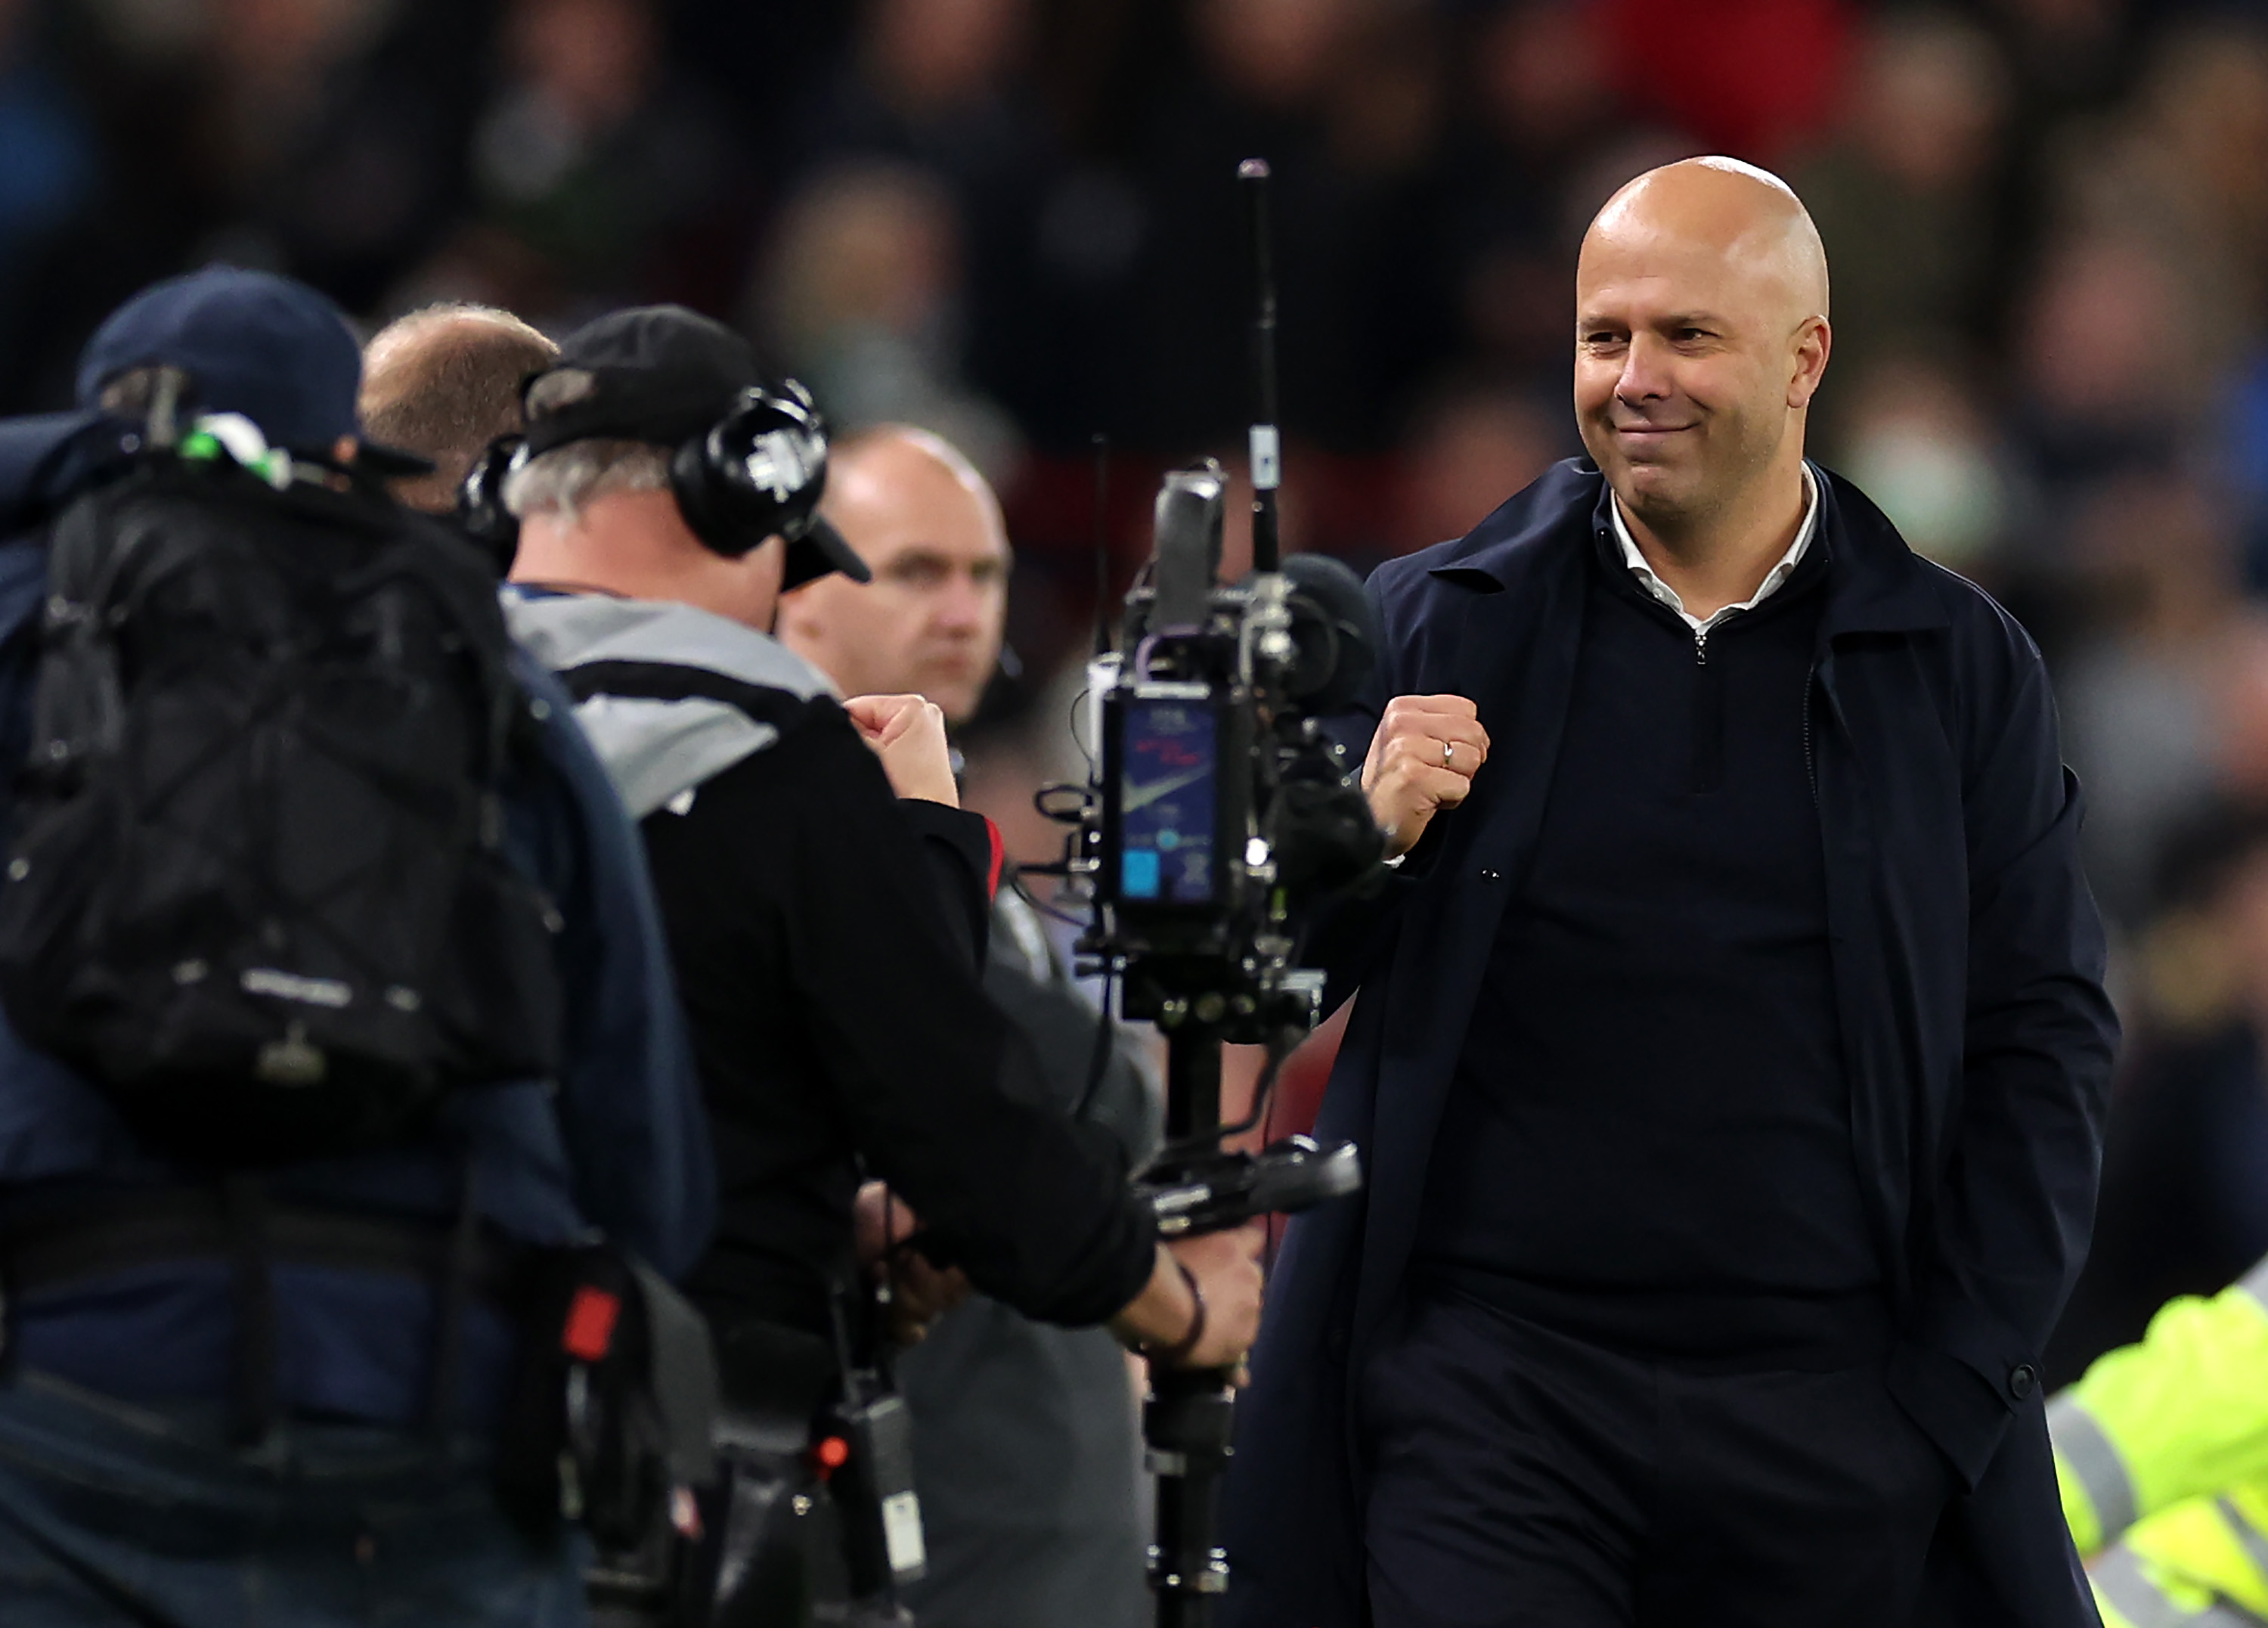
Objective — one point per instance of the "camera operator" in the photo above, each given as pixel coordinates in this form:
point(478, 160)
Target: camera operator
point(1025, 1450)
point(444, 382)
point(277, 1393)
point(652, 561)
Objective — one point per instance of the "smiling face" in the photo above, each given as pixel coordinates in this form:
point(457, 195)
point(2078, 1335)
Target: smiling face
point(1700, 337)
point(931, 621)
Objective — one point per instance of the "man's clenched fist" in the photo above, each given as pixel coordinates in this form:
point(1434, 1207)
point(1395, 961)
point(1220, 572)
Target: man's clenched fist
point(1421, 760)
point(908, 733)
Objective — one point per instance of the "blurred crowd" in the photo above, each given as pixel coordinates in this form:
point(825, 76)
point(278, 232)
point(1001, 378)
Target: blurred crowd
point(1014, 222)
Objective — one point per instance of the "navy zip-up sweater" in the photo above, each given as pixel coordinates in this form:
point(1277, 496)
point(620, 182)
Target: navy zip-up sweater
point(1648, 1138)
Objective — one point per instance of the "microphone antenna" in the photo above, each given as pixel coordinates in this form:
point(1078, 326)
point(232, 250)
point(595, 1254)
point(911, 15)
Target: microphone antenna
point(1102, 543)
point(1267, 450)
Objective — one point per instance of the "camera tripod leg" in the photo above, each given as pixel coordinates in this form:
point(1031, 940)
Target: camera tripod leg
point(1187, 1422)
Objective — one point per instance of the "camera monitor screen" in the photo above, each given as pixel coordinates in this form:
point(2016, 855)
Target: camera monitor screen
point(1168, 802)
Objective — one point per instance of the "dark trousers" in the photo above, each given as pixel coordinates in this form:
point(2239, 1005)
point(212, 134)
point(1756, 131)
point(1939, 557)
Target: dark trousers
point(149, 1514)
point(1523, 1479)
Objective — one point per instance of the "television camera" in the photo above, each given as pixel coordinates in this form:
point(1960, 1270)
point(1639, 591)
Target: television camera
point(1219, 814)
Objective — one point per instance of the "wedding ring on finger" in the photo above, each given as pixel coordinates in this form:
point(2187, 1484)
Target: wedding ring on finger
point(1449, 750)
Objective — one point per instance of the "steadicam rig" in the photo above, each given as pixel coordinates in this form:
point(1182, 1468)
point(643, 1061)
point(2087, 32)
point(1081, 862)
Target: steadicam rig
point(1220, 816)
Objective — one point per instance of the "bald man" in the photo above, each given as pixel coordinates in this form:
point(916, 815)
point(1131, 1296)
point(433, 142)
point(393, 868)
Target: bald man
point(1731, 1043)
point(931, 621)
point(444, 381)
point(1026, 1453)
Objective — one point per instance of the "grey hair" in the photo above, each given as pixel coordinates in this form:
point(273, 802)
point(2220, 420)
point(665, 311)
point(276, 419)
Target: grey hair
point(562, 480)
point(131, 394)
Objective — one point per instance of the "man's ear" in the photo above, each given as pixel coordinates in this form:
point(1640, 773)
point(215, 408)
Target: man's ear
point(797, 607)
point(1813, 341)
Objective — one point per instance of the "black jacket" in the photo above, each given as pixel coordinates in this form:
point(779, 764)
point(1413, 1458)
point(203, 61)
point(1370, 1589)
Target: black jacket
point(833, 988)
point(1968, 963)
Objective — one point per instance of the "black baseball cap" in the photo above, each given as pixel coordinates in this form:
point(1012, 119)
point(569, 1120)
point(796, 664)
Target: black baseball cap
point(251, 343)
point(663, 374)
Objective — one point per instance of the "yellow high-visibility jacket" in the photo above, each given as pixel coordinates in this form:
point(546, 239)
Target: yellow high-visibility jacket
point(2163, 1453)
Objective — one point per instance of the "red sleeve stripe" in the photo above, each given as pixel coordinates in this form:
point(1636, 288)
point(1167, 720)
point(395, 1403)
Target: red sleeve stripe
point(999, 858)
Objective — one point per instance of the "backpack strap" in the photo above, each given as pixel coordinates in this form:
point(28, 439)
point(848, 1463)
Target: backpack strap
point(260, 1413)
point(452, 1299)
point(237, 1220)
point(100, 1233)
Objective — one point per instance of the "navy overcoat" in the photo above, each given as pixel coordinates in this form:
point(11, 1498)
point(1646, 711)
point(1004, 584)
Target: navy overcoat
point(1967, 969)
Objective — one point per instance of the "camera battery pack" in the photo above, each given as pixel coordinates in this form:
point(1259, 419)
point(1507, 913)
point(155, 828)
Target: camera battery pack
point(875, 1489)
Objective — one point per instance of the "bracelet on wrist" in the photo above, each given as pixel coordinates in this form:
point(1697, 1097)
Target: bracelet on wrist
point(1179, 1351)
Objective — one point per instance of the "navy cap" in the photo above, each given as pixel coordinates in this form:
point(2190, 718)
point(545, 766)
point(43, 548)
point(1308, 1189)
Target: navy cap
point(251, 343)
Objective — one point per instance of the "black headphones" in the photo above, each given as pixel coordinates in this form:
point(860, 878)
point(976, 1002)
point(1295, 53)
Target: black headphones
point(481, 513)
point(757, 472)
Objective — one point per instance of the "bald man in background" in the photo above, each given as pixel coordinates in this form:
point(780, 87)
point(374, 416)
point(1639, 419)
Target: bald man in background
point(931, 621)
point(1731, 1042)
point(444, 381)
point(1027, 1451)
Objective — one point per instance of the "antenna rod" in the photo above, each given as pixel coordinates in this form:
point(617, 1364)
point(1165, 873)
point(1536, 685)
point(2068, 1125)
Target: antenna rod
point(1102, 543)
point(1267, 450)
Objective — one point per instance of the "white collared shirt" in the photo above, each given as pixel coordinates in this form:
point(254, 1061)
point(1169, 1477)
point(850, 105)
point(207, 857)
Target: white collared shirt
point(1774, 579)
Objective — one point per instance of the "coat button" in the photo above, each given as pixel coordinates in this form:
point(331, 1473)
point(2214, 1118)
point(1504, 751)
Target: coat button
point(2022, 1378)
point(1489, 873)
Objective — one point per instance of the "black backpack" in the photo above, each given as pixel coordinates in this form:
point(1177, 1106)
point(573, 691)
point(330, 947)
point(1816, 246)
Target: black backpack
point(255, 888)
